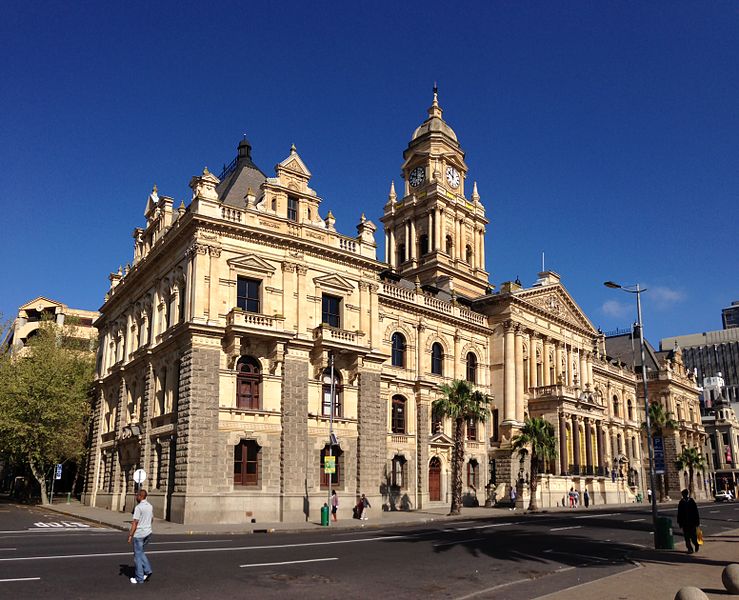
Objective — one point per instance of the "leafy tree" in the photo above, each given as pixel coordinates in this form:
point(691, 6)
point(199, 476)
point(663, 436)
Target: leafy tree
point(690, 459)
point(460, 403)
point(660, 418)
point(537, 439)
point(45, 395)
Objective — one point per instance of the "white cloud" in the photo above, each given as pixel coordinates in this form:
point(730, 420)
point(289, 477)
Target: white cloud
point(614, 308)
point(663, 297)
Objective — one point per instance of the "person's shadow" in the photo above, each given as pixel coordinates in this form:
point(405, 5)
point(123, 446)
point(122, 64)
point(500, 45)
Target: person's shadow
point(127, 571)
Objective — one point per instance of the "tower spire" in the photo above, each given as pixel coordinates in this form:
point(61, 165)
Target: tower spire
point(435, 109)
point(392, 195)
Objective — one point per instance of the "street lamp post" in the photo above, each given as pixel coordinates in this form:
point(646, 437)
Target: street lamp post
point(635, 289)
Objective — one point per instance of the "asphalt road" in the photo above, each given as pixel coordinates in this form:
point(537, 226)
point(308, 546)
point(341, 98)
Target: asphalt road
point(515, 556)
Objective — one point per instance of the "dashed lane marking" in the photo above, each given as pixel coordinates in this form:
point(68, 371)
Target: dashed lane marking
point(598, 516)
point(634, 520)
point(458, 542)
point(20, 579)
point(563, 528)
point(290, 562)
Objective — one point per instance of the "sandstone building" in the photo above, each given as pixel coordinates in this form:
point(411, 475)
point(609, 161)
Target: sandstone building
point(216, 346)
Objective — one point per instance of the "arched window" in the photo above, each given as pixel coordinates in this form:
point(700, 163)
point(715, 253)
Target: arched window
point(398, 355)
point(435, 479)
point(246, 463)
point(326, 397)
point(629, 410)
point(423, 243)
point(468, 254)
point(615, 406)
point(331, 479)
point(398, 415)
point(473, 474)
point(471, 367)
point(449, 245)
point(437, 359)
point(248, 380)
point(274, 204)
point(401, 253)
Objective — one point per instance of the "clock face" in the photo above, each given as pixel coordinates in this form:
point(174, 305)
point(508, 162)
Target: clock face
point(452, 177)
point(417, 176)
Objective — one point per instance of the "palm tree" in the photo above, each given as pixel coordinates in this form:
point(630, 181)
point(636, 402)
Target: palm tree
point(537, 438)
point(690, 459)
point(460, 403)
point(660, 418)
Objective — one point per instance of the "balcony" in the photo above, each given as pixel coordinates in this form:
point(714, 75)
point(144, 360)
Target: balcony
point(334, 337)
point(419, 298)
point(239, 322)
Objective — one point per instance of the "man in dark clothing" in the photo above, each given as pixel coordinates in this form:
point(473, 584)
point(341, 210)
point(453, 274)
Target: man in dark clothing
point(689, 520)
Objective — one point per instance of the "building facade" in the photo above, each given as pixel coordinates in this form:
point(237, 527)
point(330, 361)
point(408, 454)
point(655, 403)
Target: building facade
point(722, 430)
point(247, 329)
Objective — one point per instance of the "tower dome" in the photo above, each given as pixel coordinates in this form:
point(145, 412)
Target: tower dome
point(434, 123)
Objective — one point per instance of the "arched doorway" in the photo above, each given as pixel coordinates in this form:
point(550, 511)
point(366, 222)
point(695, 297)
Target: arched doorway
point(435, 479)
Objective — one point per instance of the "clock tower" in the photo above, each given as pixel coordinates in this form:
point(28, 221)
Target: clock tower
point(434, 232)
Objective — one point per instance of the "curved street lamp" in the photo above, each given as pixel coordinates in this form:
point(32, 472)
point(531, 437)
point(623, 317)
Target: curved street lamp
point(635, 289)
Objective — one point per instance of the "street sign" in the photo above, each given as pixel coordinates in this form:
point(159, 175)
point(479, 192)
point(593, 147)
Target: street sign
point(329, 464)
point(58, 472)
point(139, 476)
point(659, 455)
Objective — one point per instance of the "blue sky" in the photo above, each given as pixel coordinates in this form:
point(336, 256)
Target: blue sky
point(605, 134)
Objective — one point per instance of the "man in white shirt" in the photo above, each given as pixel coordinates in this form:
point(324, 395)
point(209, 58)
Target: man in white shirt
point(140, 534)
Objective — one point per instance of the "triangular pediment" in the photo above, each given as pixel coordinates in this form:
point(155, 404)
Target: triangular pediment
point(251, 262)
point(556, 301)
point(40, 303)
point(334, 281)
point(441, 439)
point(295, 164)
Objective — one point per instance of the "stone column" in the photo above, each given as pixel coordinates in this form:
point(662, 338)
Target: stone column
point(374, 316)
point(300, 319)
point(455, 358)
point(413, 249)
point(430, 235)
point(214, 275)
point(600, 436)
point(393, 258)
point(423, 423)
point(576, 443)
point(588, 448)
point(289, 310)
point(545, 362)
point(371, 428)
point(509, 374)
point(583, 370)
point(519, 375)
point(558, 363)
point(387, 246)
point(438, 227)
point(481, 262)
point(196, 282)
point(563, 466)
point(532, 362)
point(407, 234)
point(295, 451)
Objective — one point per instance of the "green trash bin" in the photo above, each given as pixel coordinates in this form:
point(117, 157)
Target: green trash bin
point(663, 539)
point(324, 515)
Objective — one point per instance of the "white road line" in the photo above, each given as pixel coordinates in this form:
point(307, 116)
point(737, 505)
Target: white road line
point(563, 528)
point(7, 549)
point(457, 542)
point(290, 562)
point(193, 550)
point(713, 511)
point(21, 579)
point(634, 520)
point(490, 589)
point(188, 542)
point(596, 558)
point(598, 516)
point(496, 525)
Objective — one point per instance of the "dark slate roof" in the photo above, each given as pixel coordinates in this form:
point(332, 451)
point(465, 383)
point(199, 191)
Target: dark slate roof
point(621, 348)
point(239, 176)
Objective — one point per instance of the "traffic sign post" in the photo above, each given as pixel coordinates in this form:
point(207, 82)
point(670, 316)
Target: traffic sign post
point(57, 476)
point(139, 476)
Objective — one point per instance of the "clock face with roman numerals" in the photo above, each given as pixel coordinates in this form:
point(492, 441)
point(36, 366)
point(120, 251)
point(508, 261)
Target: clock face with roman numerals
point(417, 176)
point(452, 177)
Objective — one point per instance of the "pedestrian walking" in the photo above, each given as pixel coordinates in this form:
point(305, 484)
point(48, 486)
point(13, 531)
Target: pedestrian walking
point(334, 504)
point(513, 498)
point(577, 498)
point(571, 496)
point(365, 508)
point(139, 535)
point(586, 498)
point(689, 520)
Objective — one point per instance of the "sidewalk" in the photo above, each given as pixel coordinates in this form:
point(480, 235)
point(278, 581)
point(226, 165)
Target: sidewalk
point(658, 575)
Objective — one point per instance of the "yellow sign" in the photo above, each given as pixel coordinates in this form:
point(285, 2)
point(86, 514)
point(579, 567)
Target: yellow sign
point(329, 464)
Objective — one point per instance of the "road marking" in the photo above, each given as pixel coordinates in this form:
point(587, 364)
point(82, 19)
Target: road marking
point(59, 530)
point(563, 528)
point(290, 562)
point(188, 542)
point(21, 579)
point(457, 542)
point(7, 548)
point(634, 545)
point(597, 516)
point(497, 525)
point(713, 511)
point(232, 549)
point(634, 520)
point(62, 524)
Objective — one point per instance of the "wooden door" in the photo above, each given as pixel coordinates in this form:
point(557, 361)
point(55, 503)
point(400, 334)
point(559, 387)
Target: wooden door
point(435, 480)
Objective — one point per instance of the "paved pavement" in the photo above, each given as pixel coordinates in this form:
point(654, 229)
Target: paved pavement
point(650, 574)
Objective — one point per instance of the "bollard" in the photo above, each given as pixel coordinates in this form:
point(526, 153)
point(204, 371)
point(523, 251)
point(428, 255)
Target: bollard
point(663, 539)
point(69, 497)
point(324, 515)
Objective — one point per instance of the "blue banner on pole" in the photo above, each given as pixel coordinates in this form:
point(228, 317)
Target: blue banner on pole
point(659, 455)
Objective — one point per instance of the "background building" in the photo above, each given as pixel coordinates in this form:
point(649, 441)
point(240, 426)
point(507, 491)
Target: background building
point(722, 429)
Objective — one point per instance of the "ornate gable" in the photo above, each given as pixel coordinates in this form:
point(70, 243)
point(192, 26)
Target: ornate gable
point(555, 300)
point(295, 165)
point(441, 439)
point(251, 262)
point(334, 281)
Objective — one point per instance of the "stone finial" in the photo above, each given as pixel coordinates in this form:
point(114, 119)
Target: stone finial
point(120, 271)
point(127, 269)
point(417, 283)
point(435, 109)
point(293, 149)
point(251, 198)
point(330, 221)
point(204, 186)
point(181, 210)
point(366, 230)
point(475, 195)
point(392, 196)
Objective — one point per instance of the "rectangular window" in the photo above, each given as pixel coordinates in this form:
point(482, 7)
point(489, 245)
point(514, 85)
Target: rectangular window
point(331, 311)
point(472, 474)
point(496, 426)
point(472, 430)
point(292, 208)
point(247, 294)
point(246, 463)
